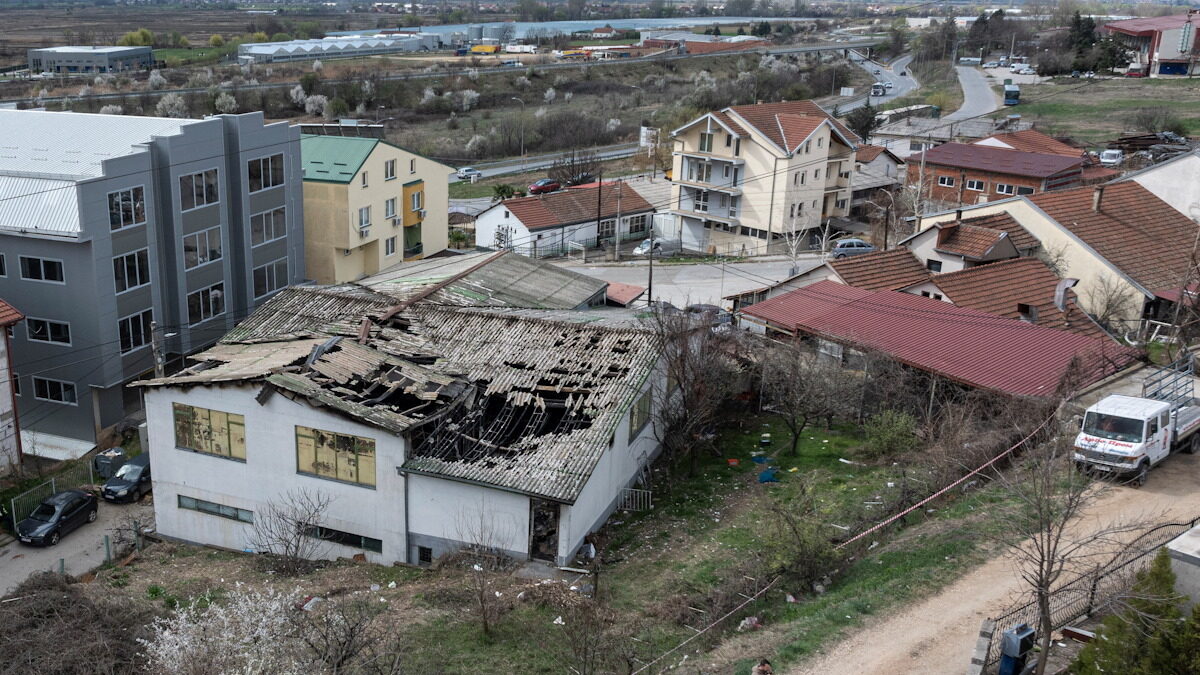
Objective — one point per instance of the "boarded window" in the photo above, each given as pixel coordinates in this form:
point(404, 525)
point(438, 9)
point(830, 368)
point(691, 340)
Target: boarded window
point(336, 456)
point(210, 431)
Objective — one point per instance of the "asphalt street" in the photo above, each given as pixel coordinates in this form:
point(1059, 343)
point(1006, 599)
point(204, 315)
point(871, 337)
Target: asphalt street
point(978, 97)
point(901, 84)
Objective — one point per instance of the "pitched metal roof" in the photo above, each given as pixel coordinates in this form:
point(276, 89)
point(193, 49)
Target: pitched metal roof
point(965, 345)
point(997, 160)
point(576, 205)
point(867, 153)
point(892, 269)
point(9, 314)
point(334, 159)
point(39, 205)
point(1151, 24)
point(623, 294)
point(1133, 229)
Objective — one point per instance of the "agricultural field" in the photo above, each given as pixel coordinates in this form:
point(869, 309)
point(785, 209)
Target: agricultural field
point(1097, 111)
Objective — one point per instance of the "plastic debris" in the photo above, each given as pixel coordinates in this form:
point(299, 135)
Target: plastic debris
point(791, 598)
point(793, 469)
point(749, 623)
point(559, 622)
point(391, 584)
point(476, 567)
point(374, 587)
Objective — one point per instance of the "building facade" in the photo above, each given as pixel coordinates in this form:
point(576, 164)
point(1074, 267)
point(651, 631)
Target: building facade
point(954, 174)
point(746, 176)
point(113, 223)
point(10, 427)
point(90, 59)
point(1160, 45)
point(369, 205)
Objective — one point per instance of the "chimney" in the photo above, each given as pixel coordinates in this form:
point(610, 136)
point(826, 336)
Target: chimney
point(1061, 295)
point(1097, 197)
point(957, 215)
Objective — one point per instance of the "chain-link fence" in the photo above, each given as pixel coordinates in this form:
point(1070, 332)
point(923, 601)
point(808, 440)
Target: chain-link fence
point(77, 475)
point(1094, 591)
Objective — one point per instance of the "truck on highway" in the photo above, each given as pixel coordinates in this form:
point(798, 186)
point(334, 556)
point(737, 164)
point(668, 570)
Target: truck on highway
point(485, 49)
point(878, 89)
point(1012, 94)
point(1126, 435)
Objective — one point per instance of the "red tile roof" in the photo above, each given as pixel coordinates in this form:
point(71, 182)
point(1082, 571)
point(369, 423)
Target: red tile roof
point(867, 153)
point(576, 205)
point(1094, 173)
point(9, 314)
point(764, 117)
point(1005, 223)
point(897, 268)
point(1137, 232)
point(965, 345)
point(1151, 24)
point(795, 129)
point(728, 121)
point(997, 288)
point(997, 160)
point(1032, 140)
point(623, 294)
point(969, 241)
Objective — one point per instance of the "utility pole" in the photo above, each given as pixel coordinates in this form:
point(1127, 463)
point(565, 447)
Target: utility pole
point(650, 279)
point(599, 202)
point(160, 366)
point(617, 225)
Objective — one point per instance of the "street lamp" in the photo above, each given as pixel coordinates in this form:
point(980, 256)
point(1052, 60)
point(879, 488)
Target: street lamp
point(522, 132)
point(887, 216)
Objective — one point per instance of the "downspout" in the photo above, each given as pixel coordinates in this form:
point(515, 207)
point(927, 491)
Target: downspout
point(771, 208)
point(12, 395)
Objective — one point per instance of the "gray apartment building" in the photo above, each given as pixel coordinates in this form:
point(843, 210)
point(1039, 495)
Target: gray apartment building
point(110, 222)
point(89, 59)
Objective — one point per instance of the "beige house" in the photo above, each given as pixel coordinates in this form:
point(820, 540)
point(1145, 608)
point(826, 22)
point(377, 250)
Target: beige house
point(369, 205)
point(749, 175)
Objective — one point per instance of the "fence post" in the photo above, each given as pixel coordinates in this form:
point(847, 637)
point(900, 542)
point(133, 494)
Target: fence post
point(62, 566)
point(1092, 594)
point(107, 550)
point(137, 535)
point(53, 489)
point(12, 504)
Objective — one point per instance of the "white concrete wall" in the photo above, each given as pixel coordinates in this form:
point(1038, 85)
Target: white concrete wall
point(8, 415)
point(1176, 183)
point(493, 220)
point(453, 512)
point(927, 287)
point(923, 246)
point(269, 472)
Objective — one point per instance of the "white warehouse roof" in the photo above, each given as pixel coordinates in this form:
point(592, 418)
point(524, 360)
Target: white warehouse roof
point(338, 46)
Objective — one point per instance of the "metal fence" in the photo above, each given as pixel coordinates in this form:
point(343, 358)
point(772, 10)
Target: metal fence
point(75, 476)
point(634, 499)
point(1093, 591)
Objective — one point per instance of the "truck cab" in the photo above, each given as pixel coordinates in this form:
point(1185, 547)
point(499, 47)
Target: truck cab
point(1124, 435)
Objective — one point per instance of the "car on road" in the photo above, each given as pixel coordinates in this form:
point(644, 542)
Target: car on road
point(887, 85)
point(904, 73)
point(544, 185)
point(991, 64)
point(1112, 158)
point(131, 482)
point(846, 248)
point(1090, 74)
point(468, 172)
point(1134, 73)
point(876, 71)
point(58, 515)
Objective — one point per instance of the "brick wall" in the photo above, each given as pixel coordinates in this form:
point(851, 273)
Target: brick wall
point(950, 184)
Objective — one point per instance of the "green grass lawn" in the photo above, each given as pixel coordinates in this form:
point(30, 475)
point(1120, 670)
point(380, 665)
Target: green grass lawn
point(939, 86)
point(1101, 110)
point(193, 55)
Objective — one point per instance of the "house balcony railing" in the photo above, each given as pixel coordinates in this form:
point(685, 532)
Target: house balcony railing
point(413, 251)
point(716, 187)
point(711, 157)
point(688, 211)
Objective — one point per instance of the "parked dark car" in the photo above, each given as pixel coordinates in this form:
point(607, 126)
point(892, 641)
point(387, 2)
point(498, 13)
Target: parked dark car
point(131, 481)
point(60, 514)
point(544, 185)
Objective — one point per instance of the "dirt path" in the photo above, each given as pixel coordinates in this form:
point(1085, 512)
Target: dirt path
point(938, 633)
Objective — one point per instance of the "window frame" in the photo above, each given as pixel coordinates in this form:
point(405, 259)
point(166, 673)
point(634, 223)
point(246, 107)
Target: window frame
point(273, 265)
point(125, 269)
point(219, 286)
point(363, 180)
point(3, 267)
point(204, 182)
point(74, 390)
point(134, 202)
point(42, 269)
point(364, 210)
point(177, 409)
point(946, 181)
point(343, 538)
point(265, 162)
point(207, 238)
point(389, 208)
point(218, 511)
point(417, 200)
point(282, 214)
point(147, 329)
point(337, 440)
point(1000, 189)
point(639, 413)
point(389, 246)
point(706, 136)
point(389, 169)
point(982, 185)
point(29, 320)
point(1023, 190)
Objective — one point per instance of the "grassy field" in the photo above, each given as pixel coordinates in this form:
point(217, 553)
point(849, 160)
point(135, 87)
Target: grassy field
point(176, 56)
point(939, 86)
point(1099, 110)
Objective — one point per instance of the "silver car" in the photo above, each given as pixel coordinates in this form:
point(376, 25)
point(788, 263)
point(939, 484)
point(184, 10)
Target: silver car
point(846, 248)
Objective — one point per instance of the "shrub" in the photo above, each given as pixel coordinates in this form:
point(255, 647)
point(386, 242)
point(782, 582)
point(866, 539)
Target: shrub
point(226, 104)
point(890, 432)
point(171, 105)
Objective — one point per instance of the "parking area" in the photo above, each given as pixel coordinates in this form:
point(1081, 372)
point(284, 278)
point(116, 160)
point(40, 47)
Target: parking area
point(80, 550)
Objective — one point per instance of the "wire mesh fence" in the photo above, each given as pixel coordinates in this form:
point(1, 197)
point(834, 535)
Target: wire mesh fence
point(77, 475)
point(1094, 591)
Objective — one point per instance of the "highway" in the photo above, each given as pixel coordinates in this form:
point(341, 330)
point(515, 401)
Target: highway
point(901, 84)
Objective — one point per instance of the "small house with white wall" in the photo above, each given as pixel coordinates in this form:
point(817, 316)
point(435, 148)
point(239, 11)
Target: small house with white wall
point(428, 428)
point(553, 224)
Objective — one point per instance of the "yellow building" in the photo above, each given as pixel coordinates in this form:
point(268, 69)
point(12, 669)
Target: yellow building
point(369, 205)
point(749, 175)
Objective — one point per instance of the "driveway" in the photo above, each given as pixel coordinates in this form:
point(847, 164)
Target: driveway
point(81, 550)
point(697, 283)
point(978, 97)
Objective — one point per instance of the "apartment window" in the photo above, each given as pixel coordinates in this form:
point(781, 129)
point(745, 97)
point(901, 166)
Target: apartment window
point(1024, 190)
point(637, 224)
point(364, 179)
point(389, 170)
point(728, 140)
point(206, 303)
point(733, 206)
point(946, 181)
point(839, 204)
point(135, 330)
point(126, 208)
point(706, 141)
point(933, 265)
point(807, 147)
point(364, 217)
point(607, 228)
point(268, 226)
point(702, 201)
point(270, 277)
point(336, 456)
point(816, 174)
point(215, 509)
point(344, 538)
point(821, 142)
point(1003, 189)
point(16, 383)
point(418, 200)
point(131, 270)
point(198, 189)
point(792, 211)
point(737, 146)
point(934, 296)
point(389, 208)
point(976, 185)
point(915, 146)
point(702, 172)
point(211, 432)
point(202, 247)
point(3, 269)
point(44, 330)
point(389, 246)
point(55, 391)
point(412, 165)
point(639, 413)
point(42, 269)
point(266, 172)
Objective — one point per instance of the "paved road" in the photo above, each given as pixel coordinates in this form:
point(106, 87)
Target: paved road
point(978, 97)
point(901, 84)
point(508, 166)
point(697, 283)
point(82, 550)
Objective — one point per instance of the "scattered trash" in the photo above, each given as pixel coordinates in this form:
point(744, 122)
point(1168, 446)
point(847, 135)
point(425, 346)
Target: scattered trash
point(840, 527)
point(521, 595)
point(891, 484)
point(391, 584)
point(476, 567)
point(374, 587)
point(791, 598)
point(768, 476)
point(559, 622)
point(843, 460)
point(733, 461)
point(310, 603)
point(873, 545)
point(818, 588)
point(750, 623)
point(793, 469)
point(498, 594)
point(760, 459)
point(382, 599)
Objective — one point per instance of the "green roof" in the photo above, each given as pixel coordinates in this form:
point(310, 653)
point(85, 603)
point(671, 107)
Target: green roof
point(334, 159)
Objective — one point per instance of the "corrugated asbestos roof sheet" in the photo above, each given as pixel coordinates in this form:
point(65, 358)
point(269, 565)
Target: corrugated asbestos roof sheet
point(334, 158)
point(39, 205)
point(71, 146)
point(965, 345)
point(305, 311)
point(892, 269)
point(236, 362)
point(1139, 233)
point(501, 279)
point(9, 314)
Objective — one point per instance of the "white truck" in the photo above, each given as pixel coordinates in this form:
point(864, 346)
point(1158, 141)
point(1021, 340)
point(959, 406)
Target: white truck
point(1126, 435)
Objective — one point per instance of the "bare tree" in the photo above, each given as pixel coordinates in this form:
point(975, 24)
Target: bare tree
point(575, 168)
point(483, 552)
point(1110, 301)
point(349, 636)
point(800, 386)
point(1055, 257)
point(289, 531)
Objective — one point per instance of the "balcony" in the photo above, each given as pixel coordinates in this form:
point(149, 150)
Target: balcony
point(837, 181)
point(716, 187)
point(716, 207)
point(711, 157)
point(414, 251)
